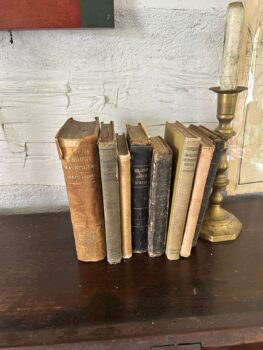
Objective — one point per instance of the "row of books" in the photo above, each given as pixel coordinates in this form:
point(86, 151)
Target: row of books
point(134, 193)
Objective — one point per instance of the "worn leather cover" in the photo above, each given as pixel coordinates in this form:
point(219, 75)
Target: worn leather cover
point(80, 161)
point(202, 169)
point(140, 181)
point(186, 149)
point(124, 162)
point(161, 170)
point(219, 147)
point(111, 199)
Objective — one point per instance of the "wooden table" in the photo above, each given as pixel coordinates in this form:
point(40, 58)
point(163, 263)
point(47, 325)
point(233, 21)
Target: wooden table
point(47, 298)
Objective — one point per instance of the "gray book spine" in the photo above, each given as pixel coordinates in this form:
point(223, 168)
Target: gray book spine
point(111, 200)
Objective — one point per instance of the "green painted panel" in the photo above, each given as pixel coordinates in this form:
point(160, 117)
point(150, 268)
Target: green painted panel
point(97, 13)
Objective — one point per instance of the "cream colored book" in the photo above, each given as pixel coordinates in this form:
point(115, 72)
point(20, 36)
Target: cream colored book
point(124, 162)
point(185, 148)
point(203, 165)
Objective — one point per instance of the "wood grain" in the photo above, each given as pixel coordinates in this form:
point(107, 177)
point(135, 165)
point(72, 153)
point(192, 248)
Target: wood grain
point(48, 297)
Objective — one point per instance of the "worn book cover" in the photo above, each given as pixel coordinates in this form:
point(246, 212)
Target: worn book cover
point(79, 154)
point(203, 164)
point(185, 147)
point(161, 171)
point(124, 162)
point(141, 156)
point(110, 189)
point(219, 147)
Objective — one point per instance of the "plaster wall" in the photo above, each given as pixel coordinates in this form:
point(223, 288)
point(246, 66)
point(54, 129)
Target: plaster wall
point(156, 65)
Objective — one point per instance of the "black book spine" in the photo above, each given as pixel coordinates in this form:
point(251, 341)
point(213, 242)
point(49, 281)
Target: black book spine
point(140, 184)
point(219, 146)
point(159, 204)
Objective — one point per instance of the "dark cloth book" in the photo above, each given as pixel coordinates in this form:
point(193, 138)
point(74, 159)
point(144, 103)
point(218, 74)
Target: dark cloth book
point(141, 156)
point(160, 183)
point(219, 147)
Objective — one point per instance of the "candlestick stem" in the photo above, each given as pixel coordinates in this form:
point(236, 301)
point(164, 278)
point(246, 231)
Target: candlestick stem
point(220, 225)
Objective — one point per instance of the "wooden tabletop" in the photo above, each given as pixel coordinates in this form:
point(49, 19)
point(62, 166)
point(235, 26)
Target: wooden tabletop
point(47, 297)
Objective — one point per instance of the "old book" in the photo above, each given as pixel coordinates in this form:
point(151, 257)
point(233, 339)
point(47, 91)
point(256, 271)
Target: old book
point(219, 146)
point(79, 154)
point(110, 189)
point(202, 169)
point(161, 171)
point(185, 147)
point(124, 162)
point(141, 156)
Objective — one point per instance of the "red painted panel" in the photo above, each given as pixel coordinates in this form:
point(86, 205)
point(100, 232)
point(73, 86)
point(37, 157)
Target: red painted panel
point(29, 14)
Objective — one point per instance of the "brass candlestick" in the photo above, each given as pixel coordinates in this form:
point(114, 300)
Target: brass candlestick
point(220, 225)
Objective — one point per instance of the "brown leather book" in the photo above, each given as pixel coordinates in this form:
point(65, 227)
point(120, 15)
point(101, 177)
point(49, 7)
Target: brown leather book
point(79, 154)
point(124, 162)
point(110, 189)
point(202, 169)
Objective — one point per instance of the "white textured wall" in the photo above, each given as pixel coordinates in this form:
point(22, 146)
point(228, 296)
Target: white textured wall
point(156, 65)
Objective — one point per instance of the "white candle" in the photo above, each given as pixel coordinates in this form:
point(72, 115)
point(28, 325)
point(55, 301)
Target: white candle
point(232, 46)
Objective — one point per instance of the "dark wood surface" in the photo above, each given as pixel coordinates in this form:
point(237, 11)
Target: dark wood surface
point(47, 297)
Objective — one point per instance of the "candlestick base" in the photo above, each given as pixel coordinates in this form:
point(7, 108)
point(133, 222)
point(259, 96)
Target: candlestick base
point(219, 225)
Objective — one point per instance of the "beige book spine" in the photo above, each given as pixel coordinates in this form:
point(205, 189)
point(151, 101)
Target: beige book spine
point(181, 198)
point(124, 162)
point(202, 170)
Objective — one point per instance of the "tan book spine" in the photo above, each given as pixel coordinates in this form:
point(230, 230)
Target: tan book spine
point(124, 162)
point(181, 198)
point(80, 161)
point(205, 158)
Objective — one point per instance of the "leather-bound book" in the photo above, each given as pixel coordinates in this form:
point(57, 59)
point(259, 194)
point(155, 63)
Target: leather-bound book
point(124, 160)
point(219, 147)
point(185, 147)
point(110, 189)
point(79, 154)
point(141, 156)
point(161, 171)
point(202, 169)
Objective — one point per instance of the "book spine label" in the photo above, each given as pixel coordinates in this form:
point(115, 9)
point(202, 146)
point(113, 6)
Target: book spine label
point(140, 181)
point(82, 176)
point(125, 204)
point(159, 204)
point(208, 189)
point(111, 201)
point(181, 198)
